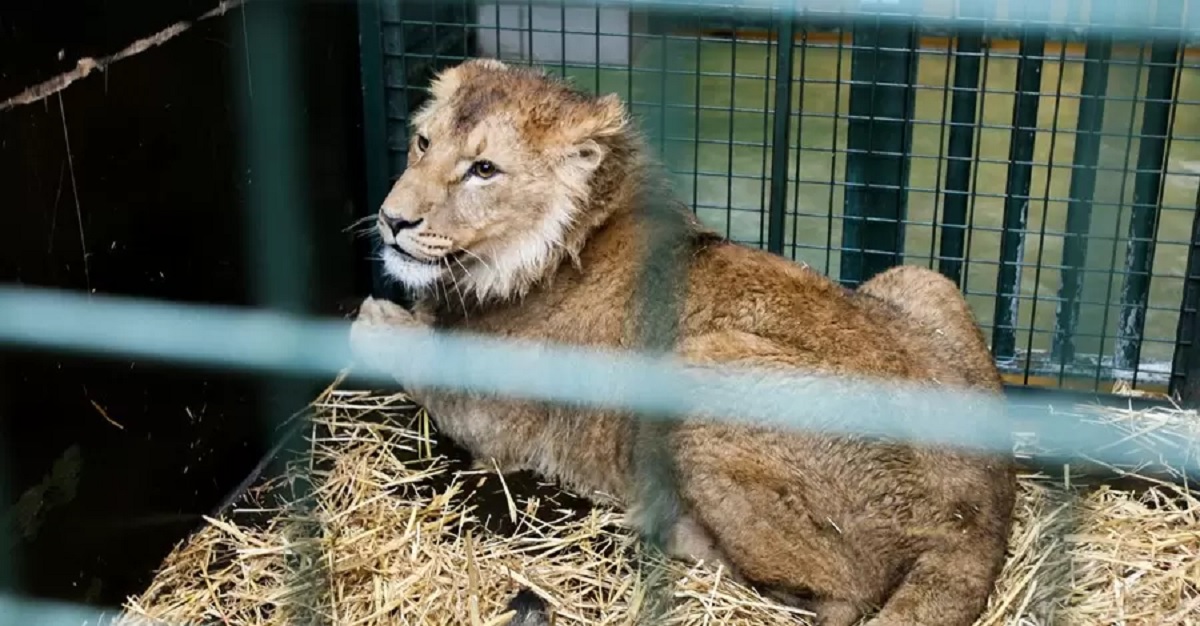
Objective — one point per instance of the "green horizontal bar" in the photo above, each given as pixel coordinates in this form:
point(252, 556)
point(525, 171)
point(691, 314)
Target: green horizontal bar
point(262, 341)
point(1107, 16)
point(15, 611)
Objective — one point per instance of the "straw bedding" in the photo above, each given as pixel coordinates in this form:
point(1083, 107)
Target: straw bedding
point(396, 528)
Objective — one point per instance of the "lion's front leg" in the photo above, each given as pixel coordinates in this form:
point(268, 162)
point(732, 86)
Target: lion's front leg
point(371, 340)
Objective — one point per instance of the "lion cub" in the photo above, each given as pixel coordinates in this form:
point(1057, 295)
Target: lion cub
point(519, 215)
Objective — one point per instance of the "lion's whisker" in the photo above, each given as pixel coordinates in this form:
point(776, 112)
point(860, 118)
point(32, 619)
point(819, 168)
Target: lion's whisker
point(466, 270)
point(365, 223)
point(478, 258)
point(461, 300)
point(445, 293)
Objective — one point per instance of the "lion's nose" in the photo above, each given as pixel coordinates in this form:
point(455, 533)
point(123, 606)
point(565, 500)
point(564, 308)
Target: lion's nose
point(397, 224)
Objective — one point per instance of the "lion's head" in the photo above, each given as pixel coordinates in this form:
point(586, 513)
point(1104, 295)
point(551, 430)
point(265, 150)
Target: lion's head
point(499, 181)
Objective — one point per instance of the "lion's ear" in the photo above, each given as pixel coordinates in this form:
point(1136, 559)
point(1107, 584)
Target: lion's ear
point(581, 134)
point(610, 116)
point(445, 83)
point(577, 161)
point(593, 119)
point(587, 154)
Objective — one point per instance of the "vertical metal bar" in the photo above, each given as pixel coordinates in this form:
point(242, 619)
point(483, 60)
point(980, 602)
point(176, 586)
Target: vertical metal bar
point(1016, 203)
point(1130, 87)
point(370, 54)
point(1143, 222)
point(833, 149)
point(882, 100)
point(663, 68)
point(406, 71)
point(1038, 266)
point(696, 100)
point(277, 223)
point(527, 22)
point(436, 41)
point(799, 140)
point(10, 540)
point(764, 189)
point(967, 57)
point(499, 31)
point(393, 290)
point(277, 212)
point(965, 275)
point(947, 91)
point(599, 31)
point(779, 139)
point(1116, 152)
point(469, 18)
point(1185, 366)
point(1088, 137)
point(729, 153)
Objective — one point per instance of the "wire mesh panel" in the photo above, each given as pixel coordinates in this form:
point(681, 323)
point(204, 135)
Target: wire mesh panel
point(1053, 173)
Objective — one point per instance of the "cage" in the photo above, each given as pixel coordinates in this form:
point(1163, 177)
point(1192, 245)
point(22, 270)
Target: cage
point(1047, 170)
point(1043, 155)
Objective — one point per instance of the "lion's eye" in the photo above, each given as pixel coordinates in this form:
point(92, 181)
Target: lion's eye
point(483, 169)
point(422, 143)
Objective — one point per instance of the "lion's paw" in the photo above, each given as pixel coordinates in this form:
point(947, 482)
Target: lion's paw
point(383, 312)
point(369, 333)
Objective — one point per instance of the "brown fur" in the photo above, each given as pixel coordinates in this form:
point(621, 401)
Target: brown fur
point(845, 524)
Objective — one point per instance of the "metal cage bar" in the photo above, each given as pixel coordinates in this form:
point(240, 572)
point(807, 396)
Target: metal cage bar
point(370, 28)
point(780, 148)
point(1017, 190)
point(1185, 366)
point(1147, 190)
point(968, 52)
point(1083, 187)
point(879, 141)
point(279, 218)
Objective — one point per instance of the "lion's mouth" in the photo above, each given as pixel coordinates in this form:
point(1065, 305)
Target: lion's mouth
point(454, 256)
point(408, 257)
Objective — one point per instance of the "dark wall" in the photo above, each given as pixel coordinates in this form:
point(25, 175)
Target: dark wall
point(111, 462)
